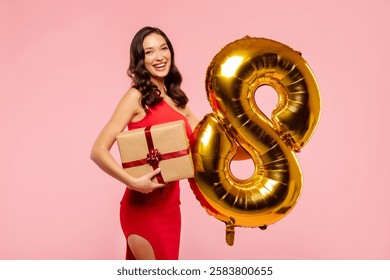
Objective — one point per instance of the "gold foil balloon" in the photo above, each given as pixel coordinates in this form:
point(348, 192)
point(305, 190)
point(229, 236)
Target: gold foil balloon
point(232, 79)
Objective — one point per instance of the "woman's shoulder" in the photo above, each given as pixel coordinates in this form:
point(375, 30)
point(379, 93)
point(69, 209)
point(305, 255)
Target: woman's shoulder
point(131, 100)
point(133, 94)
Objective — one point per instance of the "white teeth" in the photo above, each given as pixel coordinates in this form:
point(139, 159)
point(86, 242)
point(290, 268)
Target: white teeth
point(160, 65)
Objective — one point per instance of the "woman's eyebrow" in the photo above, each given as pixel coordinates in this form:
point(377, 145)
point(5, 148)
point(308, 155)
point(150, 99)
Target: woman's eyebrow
point(162, 45)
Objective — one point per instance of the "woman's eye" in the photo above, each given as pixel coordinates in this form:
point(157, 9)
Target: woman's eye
point(148, 52)
point(164, 48)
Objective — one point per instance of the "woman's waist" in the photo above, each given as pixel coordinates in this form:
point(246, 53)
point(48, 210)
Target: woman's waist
point(165, 195)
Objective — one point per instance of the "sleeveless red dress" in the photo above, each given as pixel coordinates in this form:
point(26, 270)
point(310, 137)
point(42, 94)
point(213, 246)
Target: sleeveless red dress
point(155, 216)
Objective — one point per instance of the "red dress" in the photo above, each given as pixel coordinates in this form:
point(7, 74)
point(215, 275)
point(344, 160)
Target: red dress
point(155, 216)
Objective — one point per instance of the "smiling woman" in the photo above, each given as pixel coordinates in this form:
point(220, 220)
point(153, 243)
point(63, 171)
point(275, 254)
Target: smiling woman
point(157, 56)
point(150, 211)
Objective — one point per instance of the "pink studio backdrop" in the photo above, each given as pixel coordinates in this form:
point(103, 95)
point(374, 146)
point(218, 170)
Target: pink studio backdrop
point(63, 70)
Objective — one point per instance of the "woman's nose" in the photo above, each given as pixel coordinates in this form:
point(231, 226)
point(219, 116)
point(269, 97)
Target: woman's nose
point(159, 56)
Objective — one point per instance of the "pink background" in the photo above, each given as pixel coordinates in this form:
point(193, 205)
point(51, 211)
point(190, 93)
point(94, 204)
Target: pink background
point(63, 70)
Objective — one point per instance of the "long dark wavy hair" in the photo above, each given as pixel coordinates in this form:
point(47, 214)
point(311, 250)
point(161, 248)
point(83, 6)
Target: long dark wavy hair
point(142, 79)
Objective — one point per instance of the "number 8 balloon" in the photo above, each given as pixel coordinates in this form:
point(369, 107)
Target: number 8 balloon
point(232, 79)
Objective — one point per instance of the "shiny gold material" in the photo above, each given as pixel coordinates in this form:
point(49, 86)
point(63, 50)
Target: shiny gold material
point(232, 79)
point(230, 232)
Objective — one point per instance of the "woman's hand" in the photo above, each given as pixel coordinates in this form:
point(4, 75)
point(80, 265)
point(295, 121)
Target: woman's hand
point(145, 184)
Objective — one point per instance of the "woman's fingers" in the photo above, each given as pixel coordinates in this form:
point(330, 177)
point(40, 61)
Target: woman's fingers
point(153, 174)
point(157, 185)
point(145, 184)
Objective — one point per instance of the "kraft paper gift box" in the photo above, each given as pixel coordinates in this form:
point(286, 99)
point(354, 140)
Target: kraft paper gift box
point(166, 146)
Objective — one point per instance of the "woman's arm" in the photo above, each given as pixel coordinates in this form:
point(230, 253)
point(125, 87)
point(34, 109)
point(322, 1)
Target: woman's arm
point(192, 119)
point(126, 110)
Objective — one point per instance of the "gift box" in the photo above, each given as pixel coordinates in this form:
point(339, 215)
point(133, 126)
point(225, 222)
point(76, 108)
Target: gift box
point(164, 146)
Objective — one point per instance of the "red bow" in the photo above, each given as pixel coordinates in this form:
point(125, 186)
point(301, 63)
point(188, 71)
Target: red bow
point(153, 157)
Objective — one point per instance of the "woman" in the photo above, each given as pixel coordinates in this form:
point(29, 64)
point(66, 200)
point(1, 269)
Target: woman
point(150, 213)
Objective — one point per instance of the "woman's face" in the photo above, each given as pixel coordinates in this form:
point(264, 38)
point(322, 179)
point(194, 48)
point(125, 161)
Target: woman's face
point(157, 56)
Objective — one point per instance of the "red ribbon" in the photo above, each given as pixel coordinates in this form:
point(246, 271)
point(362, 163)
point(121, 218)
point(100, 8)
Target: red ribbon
point(154, 156)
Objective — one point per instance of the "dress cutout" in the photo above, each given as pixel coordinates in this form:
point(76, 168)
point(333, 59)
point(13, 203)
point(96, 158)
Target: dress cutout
point(155, 216)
